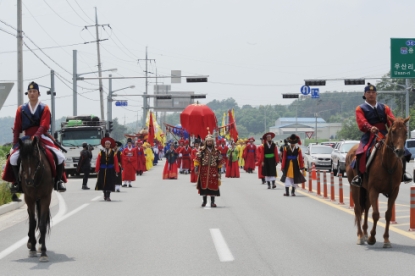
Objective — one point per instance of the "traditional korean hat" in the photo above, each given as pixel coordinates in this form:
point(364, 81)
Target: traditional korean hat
point(223, 141)
point(119, 144)
point(294, 139)
point(209, 136)
point(32, 85)
point(196, 141)
point(129, 140)
point(369, 87)
point(272, 134)
point(252, 139)
point(186, 142)
point(139, 142)
point(108, 139)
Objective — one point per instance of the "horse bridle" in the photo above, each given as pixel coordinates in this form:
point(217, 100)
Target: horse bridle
point(31, 182)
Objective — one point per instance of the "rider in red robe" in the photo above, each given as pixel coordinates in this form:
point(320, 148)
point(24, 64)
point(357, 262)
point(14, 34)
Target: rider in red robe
point(250, 156)
point(141, 158)
point(129, 161)
point(259, 153)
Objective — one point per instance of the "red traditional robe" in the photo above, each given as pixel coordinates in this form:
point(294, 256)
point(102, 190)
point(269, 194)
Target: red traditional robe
point(193, 175)
point(141, 160)
point(179, 158)
point(223, 149)
point(250, 157)
point(260, 155)
point(186, 151)
point(129, 161)
point(209, 163)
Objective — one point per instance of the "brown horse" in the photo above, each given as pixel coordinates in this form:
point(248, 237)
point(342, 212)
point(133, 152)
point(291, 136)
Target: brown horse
point(37, 184)
point(384, 176)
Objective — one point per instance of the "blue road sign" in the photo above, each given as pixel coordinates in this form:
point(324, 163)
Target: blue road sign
point(121, 103)
point(305, 90)
point(315, 93)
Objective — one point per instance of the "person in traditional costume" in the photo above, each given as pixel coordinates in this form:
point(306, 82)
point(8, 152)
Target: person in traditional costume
point(269, 159)
point(223, 148)
point(207, 164)
point(371, 118)
point(170, 167)
point(259, 153)
point(241, 149)
point(141, 159)
point(232, 168)
point(193, 175)
point(107, 168)
point(179, 157)
point(33, 119)
point(282, 148)
point(149, 156)
point(129, 162)
point(156, 155)
point(118, 149)
point(250, 156)
point(185, 151)
point(292, 166)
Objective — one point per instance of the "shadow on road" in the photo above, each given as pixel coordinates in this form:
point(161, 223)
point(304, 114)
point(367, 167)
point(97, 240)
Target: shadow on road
point(53, 259)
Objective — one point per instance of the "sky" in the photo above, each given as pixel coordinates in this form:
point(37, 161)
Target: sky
point(253, 51)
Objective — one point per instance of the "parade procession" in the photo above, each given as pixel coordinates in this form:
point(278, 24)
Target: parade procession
point(207, 138)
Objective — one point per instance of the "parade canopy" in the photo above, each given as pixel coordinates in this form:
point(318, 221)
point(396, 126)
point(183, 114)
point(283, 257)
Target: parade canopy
point(197, 119)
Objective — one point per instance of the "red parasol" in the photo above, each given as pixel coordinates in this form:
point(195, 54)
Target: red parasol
point(197, 118)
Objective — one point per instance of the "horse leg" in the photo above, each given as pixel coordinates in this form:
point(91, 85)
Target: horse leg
point(358, 216)
point(365, 225)
point(388, 216)
point(44, 226)
point(373, 198)
point(31, 243)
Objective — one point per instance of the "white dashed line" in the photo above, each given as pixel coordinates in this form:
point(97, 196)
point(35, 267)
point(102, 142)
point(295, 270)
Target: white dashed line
point(225, 255)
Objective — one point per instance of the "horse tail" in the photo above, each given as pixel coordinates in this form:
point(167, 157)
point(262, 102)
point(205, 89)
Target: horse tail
point(39, 217)
point(362, 202)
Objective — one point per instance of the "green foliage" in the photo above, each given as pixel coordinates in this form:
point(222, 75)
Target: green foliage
point(350, 131)
point(118, 131)
point(5, 195)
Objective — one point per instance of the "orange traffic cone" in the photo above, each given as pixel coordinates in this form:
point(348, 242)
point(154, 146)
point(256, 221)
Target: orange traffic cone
point(313, 172)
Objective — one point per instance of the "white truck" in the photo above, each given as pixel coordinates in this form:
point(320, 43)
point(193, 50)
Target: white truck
point(76, 131)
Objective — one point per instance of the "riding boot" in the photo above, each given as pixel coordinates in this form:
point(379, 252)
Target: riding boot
point(17, 186)
point(357, 179)
point(108, 195)
point(204, 201)
point(59, 186)
point(269, 185)
point(406, 177)
point(263, 180)
point(212, 201)
point(287, 191)
point(293, 191)
point(273, 184)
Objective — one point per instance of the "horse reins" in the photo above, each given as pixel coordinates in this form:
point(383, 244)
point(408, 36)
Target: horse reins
point(31, 182)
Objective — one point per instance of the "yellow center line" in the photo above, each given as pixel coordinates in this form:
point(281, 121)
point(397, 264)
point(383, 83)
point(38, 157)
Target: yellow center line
point(350, 211)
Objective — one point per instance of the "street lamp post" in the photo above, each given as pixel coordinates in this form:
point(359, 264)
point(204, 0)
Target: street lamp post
point(110, 100)
point(76, 77)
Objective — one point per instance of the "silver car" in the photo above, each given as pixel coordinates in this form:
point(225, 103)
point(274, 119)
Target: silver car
point(338, 156)
point(319, 155)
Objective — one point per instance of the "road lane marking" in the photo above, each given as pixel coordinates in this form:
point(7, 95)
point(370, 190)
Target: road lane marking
point(23, 241)
point(62, 207)
point(96, 198)
point(224, 253)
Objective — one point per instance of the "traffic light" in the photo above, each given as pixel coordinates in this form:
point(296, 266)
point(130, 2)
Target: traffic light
point(198, 97)
point(354, 82)
point(315, 82)
point(164, 97)
point(290, 96)
point(197, 79)
point(110, 126)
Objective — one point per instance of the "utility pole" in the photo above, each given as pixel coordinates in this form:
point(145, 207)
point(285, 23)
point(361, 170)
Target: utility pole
point(19, 54)
point(109, 101)
point(75, 83)
point(145, 98)
point(52, 100)
point(101, 92)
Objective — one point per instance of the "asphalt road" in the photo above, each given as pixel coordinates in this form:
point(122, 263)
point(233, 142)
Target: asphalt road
point(158, 228)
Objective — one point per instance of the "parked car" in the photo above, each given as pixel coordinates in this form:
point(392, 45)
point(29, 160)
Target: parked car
point(338, 156)
point(410, 145)
point(330, 143)
point(319, 155)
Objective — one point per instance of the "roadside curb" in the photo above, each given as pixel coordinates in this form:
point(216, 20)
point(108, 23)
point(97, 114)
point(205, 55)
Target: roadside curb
point(11, 206)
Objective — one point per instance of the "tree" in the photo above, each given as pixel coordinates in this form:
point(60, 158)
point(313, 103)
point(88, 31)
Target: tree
point(350, 130)
point(118, 131)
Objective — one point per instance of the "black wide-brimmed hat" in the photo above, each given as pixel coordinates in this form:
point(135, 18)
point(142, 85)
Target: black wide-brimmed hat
point(118, 143)
point(294, 139)
point(129, 140)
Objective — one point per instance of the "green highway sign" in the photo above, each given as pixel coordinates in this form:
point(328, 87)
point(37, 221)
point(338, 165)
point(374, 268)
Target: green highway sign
point(402, 58)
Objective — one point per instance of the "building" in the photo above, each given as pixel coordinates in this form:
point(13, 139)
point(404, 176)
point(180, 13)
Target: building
point(305, 127)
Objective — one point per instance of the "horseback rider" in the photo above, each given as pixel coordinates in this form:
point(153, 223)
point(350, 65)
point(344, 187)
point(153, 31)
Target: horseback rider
point(371, 118)
point(33, 118)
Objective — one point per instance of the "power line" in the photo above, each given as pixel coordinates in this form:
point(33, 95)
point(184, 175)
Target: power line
point(83, 11)
point(49, 47)
point(76, 11)
point(59, 15)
